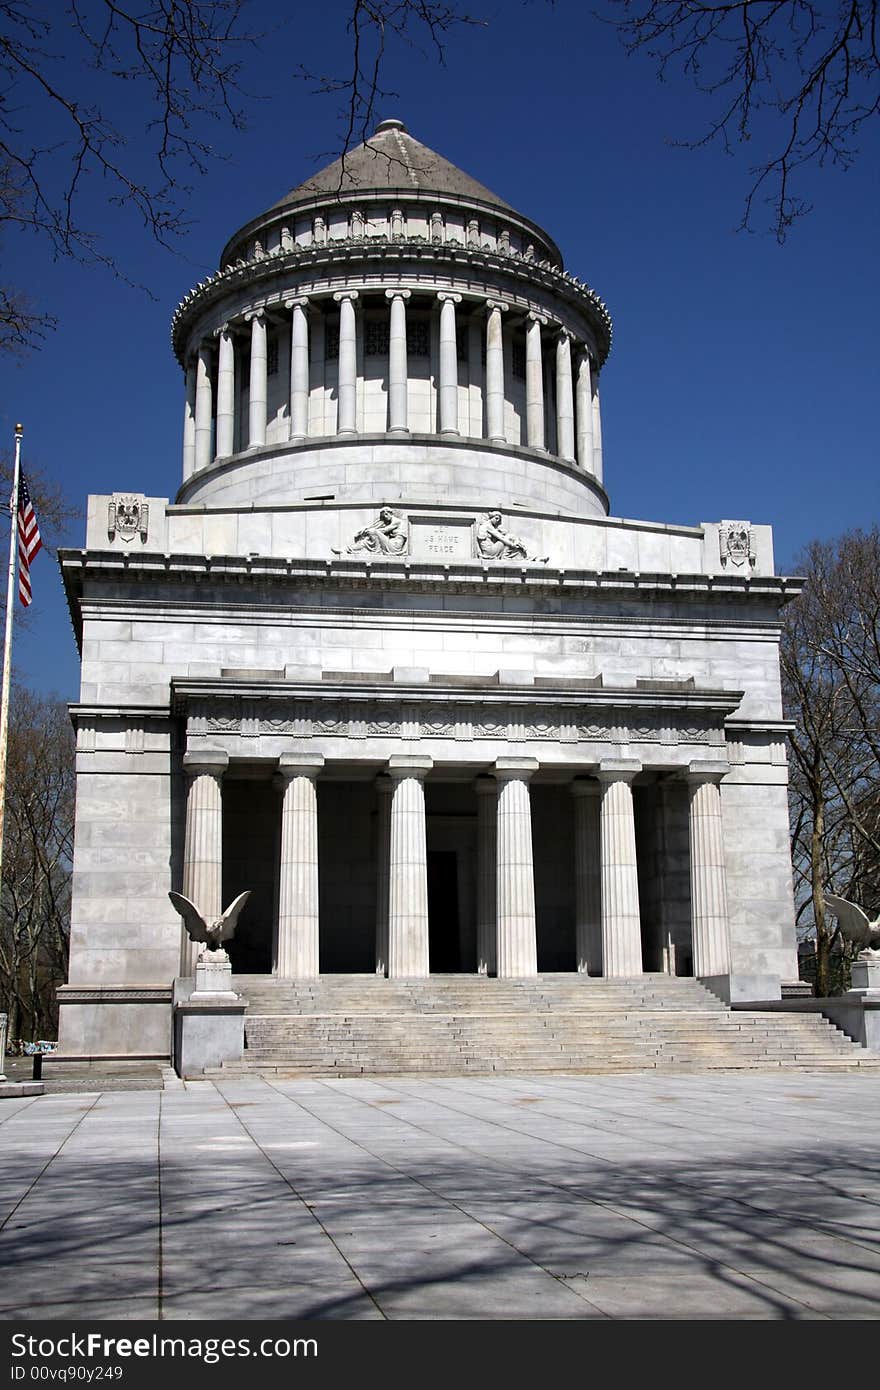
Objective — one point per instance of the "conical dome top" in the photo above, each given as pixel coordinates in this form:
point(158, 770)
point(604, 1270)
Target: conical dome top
point(391, 159)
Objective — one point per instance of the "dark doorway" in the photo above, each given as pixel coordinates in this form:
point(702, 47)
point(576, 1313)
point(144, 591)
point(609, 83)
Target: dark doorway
point(444, 940)
point(251, 822)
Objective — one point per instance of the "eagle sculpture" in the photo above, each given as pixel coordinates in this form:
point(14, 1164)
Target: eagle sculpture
point(854, 923)
point(212, 934)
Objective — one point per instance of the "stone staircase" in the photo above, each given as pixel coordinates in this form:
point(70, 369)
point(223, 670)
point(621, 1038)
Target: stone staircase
point(452, 1025)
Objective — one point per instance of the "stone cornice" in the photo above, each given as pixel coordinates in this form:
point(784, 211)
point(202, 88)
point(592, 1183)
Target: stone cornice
point(359, 254)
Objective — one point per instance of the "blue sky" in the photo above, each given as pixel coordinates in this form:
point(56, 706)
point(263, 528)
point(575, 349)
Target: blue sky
point(743, 376)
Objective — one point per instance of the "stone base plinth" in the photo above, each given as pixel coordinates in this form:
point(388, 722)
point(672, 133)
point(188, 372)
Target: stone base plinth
point(208, 1032)
point(865, 975)
point(214, 977)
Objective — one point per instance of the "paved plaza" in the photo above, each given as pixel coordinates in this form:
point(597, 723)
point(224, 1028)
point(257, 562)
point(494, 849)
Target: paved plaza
point(630, 1196)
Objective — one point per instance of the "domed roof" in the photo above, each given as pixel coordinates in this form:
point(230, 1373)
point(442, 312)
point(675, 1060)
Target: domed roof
point(390, 159)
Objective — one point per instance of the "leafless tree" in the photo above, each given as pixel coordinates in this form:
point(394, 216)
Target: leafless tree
point(37, 860)
point(797, 80)
point(66, 117)
point(831, 679)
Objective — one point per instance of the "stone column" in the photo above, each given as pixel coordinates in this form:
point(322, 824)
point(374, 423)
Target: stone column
point(710, 932)
point(535, 383)
point(296, 949)
point(397, 363)
point(597, 435)
point(384, 790)
point(203, 846)
point(225, 392)
point(408, 870)
point(495, 371)
point(258, 385)
point(517, 943)
point(448, 364)
point(204, 404)
point(487, 888)
point(346, 419)
point(584, 396)
point(299, 369)
point(564, 398)
point(621, 923)
point(587, 878)
point(189, 421)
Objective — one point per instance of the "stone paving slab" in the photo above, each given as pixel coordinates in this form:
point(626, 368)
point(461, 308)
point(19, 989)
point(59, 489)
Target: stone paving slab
point(573, 1198)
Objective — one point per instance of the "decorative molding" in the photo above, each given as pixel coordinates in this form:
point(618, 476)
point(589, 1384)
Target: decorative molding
point(100, 994)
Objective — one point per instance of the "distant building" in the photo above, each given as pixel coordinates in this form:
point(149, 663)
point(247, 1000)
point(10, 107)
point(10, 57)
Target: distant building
point(387, 661)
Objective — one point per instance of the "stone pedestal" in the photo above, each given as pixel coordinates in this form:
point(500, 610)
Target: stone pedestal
point(214, 976)
point(865, 975)
point(208, 1032)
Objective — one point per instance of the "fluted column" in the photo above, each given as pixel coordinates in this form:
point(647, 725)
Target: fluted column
point(189, 421)
point(710, 930)
point(487, 888)
point(584, 397)
point(299, 369)
point(517, 944)
point(225, 392)
point(346, 419)
point(535, 433)
point(203, 845)
point(296, 949)
point(587, 878)
point(384, 790)
point(597, 435)
point(408, 869)
point(258, 386)
point(398, 372)
point(204, 404)
point(564, 398)
point(494, 371)
point(621, 923)
point(448, 364)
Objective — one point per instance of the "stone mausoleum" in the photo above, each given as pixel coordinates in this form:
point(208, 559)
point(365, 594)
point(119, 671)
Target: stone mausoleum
point(386, 659)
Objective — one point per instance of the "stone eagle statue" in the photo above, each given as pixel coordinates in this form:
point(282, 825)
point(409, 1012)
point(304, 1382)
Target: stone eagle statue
point(854, 923)
point(213, 934)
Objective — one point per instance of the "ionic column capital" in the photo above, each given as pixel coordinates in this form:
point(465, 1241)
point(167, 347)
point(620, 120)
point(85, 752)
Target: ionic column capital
point(214, 761)
point(226, 330)
point(498, 304)
point(260, 315)
point(445, 296)
point(396, 294)
point(515, 769)
point(342, 296)
point(618, 770)
point(708, 771)
point(300, 301)
point(292, 765)
point(563, 335)
point(404, 765)
point(534, 317)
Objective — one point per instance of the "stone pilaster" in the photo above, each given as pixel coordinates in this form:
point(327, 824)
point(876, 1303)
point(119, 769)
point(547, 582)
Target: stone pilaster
point(189, 421)
point(597, 435)
point(487, 887)
point(587, 877)
point(346, 420)
point(299, 369)
point(258, 385)
point(584, 398)
point(203, 846)
point(535, 383)
point(296, 950)
point(398, 411)
point(204, 406)
point(448, 364)
point(564, 398)
point(225, 392)
point(408, 870)
point(517, 946)
point(710, 931)
point(384, 790)
point(621, 923)
point(494, 371)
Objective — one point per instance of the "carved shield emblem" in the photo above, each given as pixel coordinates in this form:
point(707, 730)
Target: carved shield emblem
point(128, 516)
point(736, 541)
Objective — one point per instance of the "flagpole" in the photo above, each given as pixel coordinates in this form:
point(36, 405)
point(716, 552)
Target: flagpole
point(7, 644)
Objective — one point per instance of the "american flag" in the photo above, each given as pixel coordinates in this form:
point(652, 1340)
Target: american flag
point(28, 540)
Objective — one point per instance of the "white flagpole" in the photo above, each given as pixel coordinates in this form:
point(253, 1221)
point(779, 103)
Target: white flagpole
point(7, 644)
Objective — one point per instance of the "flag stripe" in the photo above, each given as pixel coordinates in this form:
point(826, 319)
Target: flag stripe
point(29, 541)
